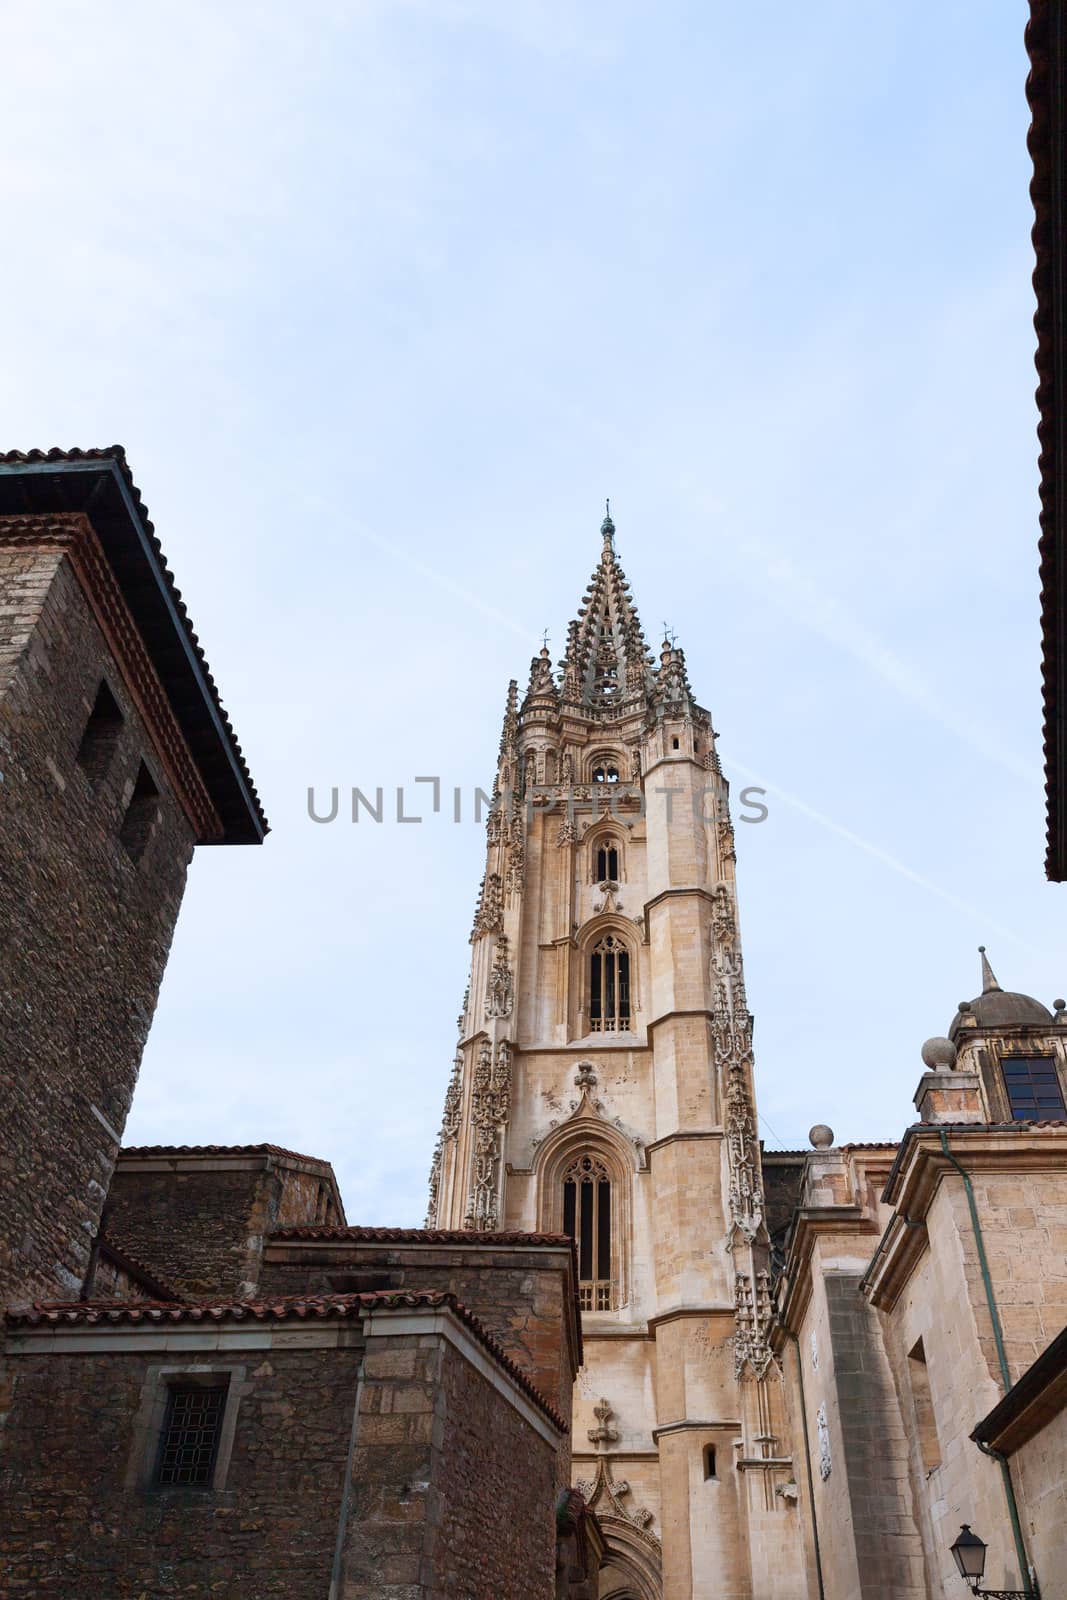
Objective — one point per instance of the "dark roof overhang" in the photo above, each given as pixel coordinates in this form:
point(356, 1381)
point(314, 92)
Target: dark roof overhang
point(98, 484)
point(1046, 91)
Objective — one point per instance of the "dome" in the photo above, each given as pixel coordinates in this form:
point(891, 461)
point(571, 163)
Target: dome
point(998, 1008)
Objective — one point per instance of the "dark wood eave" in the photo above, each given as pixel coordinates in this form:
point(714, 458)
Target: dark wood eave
point(98, 483)
point(1038, 1397)
point(1046, 90)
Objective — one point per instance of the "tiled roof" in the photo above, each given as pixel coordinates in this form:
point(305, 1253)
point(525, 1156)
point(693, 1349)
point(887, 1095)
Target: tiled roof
point(305, 1308)
point(99, 483)
point(420, 1236)
point(147, 1151)
point(1046, 44)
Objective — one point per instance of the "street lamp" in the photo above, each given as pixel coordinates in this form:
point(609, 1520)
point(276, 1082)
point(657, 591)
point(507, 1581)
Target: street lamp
point(969, 1555)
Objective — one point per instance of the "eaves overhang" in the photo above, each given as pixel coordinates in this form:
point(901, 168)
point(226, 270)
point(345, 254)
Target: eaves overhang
point(98, 484)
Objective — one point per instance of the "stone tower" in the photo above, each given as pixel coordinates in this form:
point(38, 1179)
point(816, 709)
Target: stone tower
point(116, 759)
point(602, 1086)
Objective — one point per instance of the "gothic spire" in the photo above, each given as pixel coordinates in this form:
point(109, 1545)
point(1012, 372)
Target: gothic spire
point(510, 730)
point(989, 982)
point(606, 662)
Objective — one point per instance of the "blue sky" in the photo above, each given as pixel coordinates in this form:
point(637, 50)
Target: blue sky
point(383, 299)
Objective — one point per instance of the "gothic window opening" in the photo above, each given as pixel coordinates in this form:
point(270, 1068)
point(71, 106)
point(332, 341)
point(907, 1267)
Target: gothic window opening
point(606, 863)
point(192, 1429)
point(609, 986)
point(709, 1461)
point(587, 1219)
point(605, 772)
point(1033, 1086)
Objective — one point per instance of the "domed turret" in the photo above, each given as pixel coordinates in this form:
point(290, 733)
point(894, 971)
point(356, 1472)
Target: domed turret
point(996, 1007)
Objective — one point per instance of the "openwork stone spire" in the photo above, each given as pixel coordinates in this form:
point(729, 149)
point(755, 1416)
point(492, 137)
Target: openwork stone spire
point(607, 664)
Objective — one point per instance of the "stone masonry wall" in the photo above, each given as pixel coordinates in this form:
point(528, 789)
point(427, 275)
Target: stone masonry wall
point(453, 1493)
point(85, 929)
point(70, 1526)
point(203, 1227)
point(518, 1298)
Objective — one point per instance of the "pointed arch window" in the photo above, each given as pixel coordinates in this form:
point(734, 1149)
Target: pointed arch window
point(605, 771)
point(587, 1219)
point(605, 861)
point(609, 986)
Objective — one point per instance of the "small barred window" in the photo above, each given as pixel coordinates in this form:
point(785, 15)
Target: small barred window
point(192, 1428)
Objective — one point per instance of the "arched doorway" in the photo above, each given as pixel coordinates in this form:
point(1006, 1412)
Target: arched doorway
point(630, 1569)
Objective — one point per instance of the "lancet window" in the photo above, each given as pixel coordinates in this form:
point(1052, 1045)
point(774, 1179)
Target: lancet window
point(587, 1218)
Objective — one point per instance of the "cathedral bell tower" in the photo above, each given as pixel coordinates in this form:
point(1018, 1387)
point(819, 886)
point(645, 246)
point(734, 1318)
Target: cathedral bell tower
point(602, 1086)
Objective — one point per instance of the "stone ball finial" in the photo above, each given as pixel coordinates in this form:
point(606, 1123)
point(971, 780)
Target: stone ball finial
point(821, 1137)
point(1059, 1006)
point(939, 1055)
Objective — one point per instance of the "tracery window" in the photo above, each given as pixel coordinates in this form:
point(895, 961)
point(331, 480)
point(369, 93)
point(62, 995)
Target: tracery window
point(605, 772)
point(609, 986)
point(587, 1219)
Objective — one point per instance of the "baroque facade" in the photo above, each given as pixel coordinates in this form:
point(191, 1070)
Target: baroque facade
point(603, 1087)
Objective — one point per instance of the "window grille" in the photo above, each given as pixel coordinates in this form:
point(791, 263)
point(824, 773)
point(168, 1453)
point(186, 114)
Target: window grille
point(609, 987)
point(587, 1219)
point(191, 1430)
point(1033, 1086)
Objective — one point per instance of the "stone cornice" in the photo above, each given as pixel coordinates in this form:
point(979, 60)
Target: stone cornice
point(918, 1172)
point(731, 1425)
point(676, 1313)
point(981, 1147)
point(71, 534)
point(682, 1136)
point(811, 1224)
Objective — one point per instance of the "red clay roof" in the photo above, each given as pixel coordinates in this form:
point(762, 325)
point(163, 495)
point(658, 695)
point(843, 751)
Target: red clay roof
point(306, 1308)
point(420, 1235)
point(149, 1150)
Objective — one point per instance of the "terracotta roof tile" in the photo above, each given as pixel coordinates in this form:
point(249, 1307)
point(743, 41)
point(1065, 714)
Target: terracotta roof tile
point(149, 1150)
point(305, 1308)
point(420, 1236)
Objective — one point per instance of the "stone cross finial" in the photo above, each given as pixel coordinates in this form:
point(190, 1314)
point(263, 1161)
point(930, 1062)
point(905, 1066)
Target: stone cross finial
point(603, 1434)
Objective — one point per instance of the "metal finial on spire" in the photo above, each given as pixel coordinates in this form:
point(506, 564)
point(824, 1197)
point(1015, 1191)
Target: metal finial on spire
point(607, 527)
point(989, 982)
point(544, 640)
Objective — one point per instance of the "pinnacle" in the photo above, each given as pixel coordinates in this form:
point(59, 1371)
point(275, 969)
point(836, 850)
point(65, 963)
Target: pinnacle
point(989, 982)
